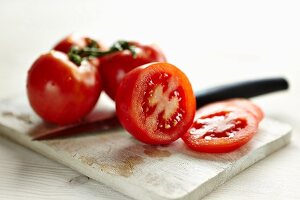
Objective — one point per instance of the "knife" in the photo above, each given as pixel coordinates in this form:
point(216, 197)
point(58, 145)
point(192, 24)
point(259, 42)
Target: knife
point(244, 89)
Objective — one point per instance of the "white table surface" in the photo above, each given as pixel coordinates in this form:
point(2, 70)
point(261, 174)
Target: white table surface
point(213, 42)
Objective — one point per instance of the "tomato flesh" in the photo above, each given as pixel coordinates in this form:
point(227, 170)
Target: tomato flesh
point(155, 103)
point(217, 125)
point(160, 93)
point(219, 128)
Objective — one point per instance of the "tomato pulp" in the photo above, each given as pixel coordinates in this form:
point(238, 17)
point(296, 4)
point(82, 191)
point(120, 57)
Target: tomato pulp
point(155, 103)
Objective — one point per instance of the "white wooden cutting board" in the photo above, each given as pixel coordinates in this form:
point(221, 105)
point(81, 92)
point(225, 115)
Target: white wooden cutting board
point(137, 170)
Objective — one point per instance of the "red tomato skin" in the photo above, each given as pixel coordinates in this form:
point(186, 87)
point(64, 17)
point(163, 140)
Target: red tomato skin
point(71, 40)
point(61, 92)
point(114, 67)
point(68, 42)
point(130, 112)
point(223, 144)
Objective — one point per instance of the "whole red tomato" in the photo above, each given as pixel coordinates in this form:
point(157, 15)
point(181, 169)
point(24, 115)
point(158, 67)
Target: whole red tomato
point(60, 91)
point(114, 66)
point(155, 103)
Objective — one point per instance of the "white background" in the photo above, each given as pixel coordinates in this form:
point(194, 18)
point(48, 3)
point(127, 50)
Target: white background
point(213, 42)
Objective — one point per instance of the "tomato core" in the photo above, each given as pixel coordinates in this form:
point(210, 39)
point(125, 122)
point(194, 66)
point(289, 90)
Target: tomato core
point(163, 98)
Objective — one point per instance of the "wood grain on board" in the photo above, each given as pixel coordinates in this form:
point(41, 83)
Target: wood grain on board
point(135, 169)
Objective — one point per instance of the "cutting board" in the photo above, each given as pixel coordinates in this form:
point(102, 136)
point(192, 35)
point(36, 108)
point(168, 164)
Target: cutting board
point(141, 171)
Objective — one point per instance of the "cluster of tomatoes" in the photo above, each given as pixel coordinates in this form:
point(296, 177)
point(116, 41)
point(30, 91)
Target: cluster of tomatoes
point(154, 99)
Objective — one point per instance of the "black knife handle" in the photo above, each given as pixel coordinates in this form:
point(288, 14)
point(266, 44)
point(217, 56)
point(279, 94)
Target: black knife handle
point(244, 89)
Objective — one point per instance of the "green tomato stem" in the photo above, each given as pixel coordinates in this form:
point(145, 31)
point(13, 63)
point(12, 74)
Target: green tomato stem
point(77, 55)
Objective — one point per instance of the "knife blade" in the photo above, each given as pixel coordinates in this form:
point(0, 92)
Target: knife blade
point(243, 89)
point(83, 127)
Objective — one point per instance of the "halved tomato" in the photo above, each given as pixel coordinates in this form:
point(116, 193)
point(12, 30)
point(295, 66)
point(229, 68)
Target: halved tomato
point(155, 103)
point(221, 127)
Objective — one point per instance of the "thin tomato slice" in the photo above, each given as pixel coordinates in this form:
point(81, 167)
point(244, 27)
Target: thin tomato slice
point(244, 104)
point(220, 128)
point(248, 106)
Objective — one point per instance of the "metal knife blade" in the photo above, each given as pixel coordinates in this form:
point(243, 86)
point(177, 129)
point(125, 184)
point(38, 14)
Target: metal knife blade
point(89, 126)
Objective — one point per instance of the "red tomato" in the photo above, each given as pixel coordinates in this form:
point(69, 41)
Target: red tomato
point(113, 67)
point(74, 40)
point(155, 103)
point(220, 128)
point(60, 91)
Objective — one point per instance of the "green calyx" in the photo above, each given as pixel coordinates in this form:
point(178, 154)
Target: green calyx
point(77, 55)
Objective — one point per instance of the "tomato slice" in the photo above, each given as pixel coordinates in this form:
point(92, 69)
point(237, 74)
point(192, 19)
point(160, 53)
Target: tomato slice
point(244, 104)
point(220, 128)
point(155, 103)
point(248, 106)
